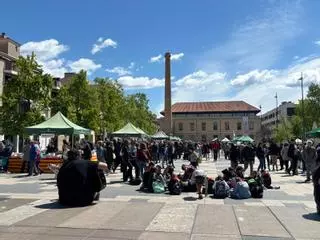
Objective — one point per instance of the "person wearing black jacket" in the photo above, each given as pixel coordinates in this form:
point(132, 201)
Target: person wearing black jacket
point(234, 155)
point(292, 153)
point(126, 164)
point(274, 153)
point(248, 153)
point(79, 182)
point(316, 187)
point(260, 156)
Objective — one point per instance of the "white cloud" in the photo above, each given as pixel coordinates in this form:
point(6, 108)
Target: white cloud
point(200, 86)
point(284, 81)
point(259, 42)
point(47, 53)
point(317, 43)
point(253, 77)
point(84, 64)
point(140, 82)
point(120, 71)
point(155, 58)
point(177, 57)
point(44, 50)
point(101, 44)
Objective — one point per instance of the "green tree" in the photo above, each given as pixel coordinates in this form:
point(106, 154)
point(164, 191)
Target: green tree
point(139, 114)
point(283, 132)
point(25, 97)
point(78, 101)
point(111, 104)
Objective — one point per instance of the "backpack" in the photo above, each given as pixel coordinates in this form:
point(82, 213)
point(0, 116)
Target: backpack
point(175, 187)
point(158, 187)
point(241, 191)
point(256, 189)
point(221, 190)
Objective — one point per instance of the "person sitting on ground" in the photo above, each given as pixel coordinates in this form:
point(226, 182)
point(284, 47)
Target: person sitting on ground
point(240, 172)
point(255, 185)
point(188, 170)
point(158, 182)
point(150, 169)
point(173, 182)
point(241, 191)
point(266, 180)
point(220, 188)
point(79, 182)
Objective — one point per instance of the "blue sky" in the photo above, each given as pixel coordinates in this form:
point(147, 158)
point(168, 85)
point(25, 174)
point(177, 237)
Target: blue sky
point(223, 50)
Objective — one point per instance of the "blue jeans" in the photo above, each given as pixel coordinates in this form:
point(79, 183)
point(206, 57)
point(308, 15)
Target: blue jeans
point(262, 164)
point(141, 166)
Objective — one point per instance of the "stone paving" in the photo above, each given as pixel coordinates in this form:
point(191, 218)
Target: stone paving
point(29, 210)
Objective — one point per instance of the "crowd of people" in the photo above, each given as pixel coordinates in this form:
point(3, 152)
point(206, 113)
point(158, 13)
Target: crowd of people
point(151, 164)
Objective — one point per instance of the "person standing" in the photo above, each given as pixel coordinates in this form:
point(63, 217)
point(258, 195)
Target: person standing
point(26, 156)
point(34, 156)
point(316, 187)
point(248, 155)
point(284, 154)
point(216, 148)
point(234, 155)
point(143, 158)
point(309, 156)
point(293, 155)
point(274, 152)
point(260, 156)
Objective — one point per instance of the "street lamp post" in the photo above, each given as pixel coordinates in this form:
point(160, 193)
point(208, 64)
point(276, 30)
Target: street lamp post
point(302, 108)
point(277, 118)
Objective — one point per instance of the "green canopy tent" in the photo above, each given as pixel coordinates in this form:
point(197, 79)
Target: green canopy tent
point(129, 130)
point(58, 124)
point(245, 139)
point(314, 133)
point(160, 136)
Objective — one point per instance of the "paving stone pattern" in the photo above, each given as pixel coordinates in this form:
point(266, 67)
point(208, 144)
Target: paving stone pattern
point(32, 212)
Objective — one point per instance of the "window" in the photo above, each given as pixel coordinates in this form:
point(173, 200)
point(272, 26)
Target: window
point(191, 126)
point(215, 126)
point(251, 125)
point(180, 126)
point(226, 126)
point(203, 126)
point(239, 126)
point(290, 112)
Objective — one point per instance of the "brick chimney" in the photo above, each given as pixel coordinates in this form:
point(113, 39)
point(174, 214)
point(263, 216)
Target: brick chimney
point(167, 94)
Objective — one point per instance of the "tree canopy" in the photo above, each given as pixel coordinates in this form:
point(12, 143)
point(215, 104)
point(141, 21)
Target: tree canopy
point(25, 97)
point(307, 113)
point(100, 105)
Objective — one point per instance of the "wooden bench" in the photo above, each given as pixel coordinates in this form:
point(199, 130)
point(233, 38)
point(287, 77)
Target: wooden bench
point(15, 164)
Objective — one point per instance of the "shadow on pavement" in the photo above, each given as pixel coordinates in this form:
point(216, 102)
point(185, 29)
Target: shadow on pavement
point(54, 204)
point(312, 217)
point(21, 176)
point(190, 199)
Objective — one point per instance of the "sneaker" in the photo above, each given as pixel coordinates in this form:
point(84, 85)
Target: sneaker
point(307, 180)
point(200, 196)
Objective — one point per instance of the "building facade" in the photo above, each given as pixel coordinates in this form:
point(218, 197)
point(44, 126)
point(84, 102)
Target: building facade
point(9, 53)
point(284, 112)
point(204, 121)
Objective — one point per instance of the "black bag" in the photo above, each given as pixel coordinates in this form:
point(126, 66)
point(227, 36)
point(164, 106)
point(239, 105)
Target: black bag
point(256, 191)
point(175, 187)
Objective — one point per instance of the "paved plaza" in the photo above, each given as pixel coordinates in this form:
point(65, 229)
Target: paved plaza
point(29, 210)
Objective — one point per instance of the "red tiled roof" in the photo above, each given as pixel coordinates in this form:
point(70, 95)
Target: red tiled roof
point(228, 106)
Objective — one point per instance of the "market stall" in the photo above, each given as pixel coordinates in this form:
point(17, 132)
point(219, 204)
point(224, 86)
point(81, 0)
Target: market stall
point(160, 136)
point(129, 130)
point(57, 125)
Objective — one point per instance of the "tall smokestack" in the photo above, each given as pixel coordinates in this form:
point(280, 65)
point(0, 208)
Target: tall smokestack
point(167, 93)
